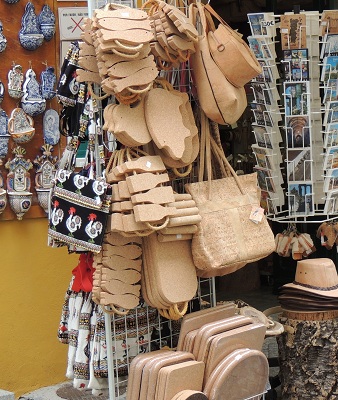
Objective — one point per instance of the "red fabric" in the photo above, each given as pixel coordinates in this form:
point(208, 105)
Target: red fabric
point(83, 273)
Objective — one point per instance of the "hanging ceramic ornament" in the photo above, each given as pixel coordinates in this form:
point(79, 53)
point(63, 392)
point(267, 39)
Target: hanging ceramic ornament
point(48, 81)
point(45, 171)
point(15, 79)
point(46, 20)
point(4, 135)
point(3, 40)
point(32, 101)
point(19, 183)
point(2, 91)
point(20, 126)
point(51, 130)
point(30, 35)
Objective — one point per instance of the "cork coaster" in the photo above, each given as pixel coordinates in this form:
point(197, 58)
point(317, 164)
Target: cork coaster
point(131, 225)
point(177, 43)
point(181, 21)
point(172, 269)
point(117, 47)
point(115, 239)
point(88, 63)
point(180, 230)
point(243, 374)
point(142, 182)
point(195, 320)
point(172, 238)
point(167, 129)
point(134, 36)
point(124, 12)
point(152, 212)
point(86, 32)
point(148, 285)
point(130, 124)
point(175, 378)
point(143, 164)
point(127, 301)
point(131, 251)
point(152, 367)
point(108, 118)
point(119, 262)
point(126, 68)
point(169, 27)
point(249, 336)
point(117, 287)
point(158, 195)
point(156, 366)
point(159, 52)
point(140, 78)
point(190, 395)
point(87, 76)
point(205, 333)
point(135, 373)
point(110, 58)
point(86, 49)
point(129, 276)
point(122, 206)
point(120, 24)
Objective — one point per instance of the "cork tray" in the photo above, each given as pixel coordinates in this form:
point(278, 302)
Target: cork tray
point(242, 374)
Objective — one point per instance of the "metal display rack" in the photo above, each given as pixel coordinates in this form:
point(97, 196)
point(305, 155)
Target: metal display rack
point(152, 335)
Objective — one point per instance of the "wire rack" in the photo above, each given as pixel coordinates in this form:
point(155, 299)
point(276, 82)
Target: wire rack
point(143, 330)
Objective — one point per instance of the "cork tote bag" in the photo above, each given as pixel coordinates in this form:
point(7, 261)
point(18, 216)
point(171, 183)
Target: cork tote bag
point(219, 99)
point(227, 239)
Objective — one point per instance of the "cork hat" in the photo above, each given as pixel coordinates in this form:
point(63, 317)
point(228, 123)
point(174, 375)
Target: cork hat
point(318, 276)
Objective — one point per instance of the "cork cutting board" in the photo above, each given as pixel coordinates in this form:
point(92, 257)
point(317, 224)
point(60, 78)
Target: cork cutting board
point(197, 319)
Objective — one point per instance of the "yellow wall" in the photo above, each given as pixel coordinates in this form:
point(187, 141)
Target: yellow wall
point(33, 282)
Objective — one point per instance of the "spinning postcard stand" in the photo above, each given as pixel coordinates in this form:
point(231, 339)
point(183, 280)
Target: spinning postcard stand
point(309, 121)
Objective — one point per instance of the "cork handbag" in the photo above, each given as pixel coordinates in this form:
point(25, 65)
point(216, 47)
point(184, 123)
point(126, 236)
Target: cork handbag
point(227, 239)
point(221, 101)
point(230, 52)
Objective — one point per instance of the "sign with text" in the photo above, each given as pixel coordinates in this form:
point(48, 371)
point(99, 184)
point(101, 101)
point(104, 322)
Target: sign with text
point(71, 20)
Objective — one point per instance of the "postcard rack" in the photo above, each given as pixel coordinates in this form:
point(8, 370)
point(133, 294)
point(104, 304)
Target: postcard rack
point(296, 126)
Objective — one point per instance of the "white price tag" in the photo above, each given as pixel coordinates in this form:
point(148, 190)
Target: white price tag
point(148, 164)
point(256, 214)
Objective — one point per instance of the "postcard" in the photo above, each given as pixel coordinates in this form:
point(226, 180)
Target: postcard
point(261, 114)
point(300, 198)
point(299, 165)
point(263, 138)
point(262, 24)
point(293, 31)
point(330, 91)
point(331, 112)
point(330, 46)
point(331, 203)
point(297, 98)
point(329, 22)
point(261, 48)
point(331, 180)
point(296, 64)
point(265, 179)
point(330, 68)
point(331, 158)
point(267, 203)
point(264, 157)
point(331, 135)
point(298, 131)
point(262, 93)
